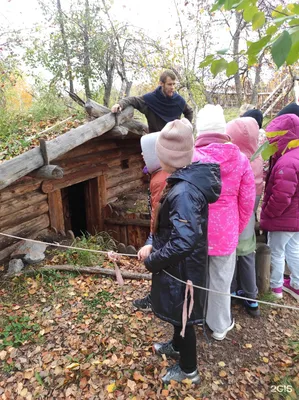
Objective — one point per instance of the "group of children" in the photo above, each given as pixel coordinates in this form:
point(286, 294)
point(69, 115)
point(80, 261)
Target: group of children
point(205, 193)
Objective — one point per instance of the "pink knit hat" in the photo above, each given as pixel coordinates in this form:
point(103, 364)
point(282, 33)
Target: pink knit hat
point(174, 146)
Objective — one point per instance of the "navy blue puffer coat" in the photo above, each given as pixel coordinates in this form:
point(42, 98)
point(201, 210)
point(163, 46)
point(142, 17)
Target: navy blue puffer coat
point(180, 245)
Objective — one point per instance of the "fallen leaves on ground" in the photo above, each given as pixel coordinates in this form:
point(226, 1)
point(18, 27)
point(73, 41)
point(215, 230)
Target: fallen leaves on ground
point(88, 342)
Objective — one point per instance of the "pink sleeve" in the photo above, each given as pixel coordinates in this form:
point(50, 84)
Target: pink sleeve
point(247, 195)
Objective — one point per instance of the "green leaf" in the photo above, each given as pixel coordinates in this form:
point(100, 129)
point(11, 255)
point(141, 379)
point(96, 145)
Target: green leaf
point(207, 61)
point(223, 51)
point(256, 47)
point(281, 48)
point(263, 147)
point(218, 4)
point(258, 20)
point(252, 60)
point(275, 133)
point(269, 151)
point(294, 8)
point(39, 378)
point(232, 68)
point(271, 30)
point(293, 55)
point(294, 22)
point(218, 66)
point(243, 4)
point(249, 12)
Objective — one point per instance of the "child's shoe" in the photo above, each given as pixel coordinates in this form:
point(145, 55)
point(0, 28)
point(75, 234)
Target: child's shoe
point(222, 335)
point(143, 304)
point(167, 349)
point(252, 308)
point(277, 292)
point(289, 289)
point(175, 373)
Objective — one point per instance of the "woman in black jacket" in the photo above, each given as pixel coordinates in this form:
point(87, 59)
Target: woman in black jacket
point(180, 244)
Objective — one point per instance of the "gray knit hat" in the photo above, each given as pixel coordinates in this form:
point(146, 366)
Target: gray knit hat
point(174, 146)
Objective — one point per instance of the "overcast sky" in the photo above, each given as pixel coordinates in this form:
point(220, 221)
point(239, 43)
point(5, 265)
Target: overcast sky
point(155, 16)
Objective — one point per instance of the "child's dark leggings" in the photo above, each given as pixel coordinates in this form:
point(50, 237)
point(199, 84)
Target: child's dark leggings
point(186, 346)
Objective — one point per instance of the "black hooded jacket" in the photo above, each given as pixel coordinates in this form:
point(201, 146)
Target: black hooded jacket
point(180, 245)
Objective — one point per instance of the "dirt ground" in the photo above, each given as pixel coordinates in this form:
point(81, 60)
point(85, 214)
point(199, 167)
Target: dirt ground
point(87, 341)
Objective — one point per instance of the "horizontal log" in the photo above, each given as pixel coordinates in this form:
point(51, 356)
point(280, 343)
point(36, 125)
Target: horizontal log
point(127, 222)
point(96, 158)
point(23, 164)
point(127, 175)
point(86, 270)
point(18, 189)
point(73, 178)
point(7, 251)
point(23, 215)
point(19, 203)
point(93, 146)
point(25, 230)
point(48, 172)
point(125, 188)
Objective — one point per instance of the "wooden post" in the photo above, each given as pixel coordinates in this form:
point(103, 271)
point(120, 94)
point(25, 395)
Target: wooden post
point(94, 210)
point(56, 210)
point(262, 266)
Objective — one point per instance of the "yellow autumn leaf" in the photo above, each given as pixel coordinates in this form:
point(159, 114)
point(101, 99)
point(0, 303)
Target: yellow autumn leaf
point(110, 388)
point(222, 374)
point(266, 360)
point(276, 133)
point(291, 145)
point(73, 366)
point(221, 364)
point(248, 345)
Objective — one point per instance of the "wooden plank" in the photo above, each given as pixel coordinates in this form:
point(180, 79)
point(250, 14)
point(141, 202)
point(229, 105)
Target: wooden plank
point(126, 222)
point(21, 165)
point(20, 202)
point(134, 236)
point(23, 215)
point(73, 178)
point(123, 238)
point(56, 210)
point(94, 217)
point(98, 157)
point(26, 229)
point(103, 190)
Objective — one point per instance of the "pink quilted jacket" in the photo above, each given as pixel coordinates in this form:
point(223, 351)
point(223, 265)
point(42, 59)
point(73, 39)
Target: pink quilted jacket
point(231, 213)
point(245, 134)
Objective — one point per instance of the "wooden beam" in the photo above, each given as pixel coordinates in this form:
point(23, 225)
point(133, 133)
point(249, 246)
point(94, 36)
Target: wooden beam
point(127, 222)
point(48, 172)
point(56, 210)
point(71, 179)
point(23, 164)
point(94, 211)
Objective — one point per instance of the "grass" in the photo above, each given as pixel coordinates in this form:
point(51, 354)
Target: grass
point(101, 242)
point(17, 330)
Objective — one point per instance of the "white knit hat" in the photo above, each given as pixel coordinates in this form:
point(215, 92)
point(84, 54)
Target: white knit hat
point(148, 146)
point(210, 119)
point(174, 146)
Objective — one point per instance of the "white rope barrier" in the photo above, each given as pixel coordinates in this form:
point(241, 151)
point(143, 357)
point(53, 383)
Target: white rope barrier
point(135, 255)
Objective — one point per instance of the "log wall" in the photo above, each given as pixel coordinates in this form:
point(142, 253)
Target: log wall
point(30, 205)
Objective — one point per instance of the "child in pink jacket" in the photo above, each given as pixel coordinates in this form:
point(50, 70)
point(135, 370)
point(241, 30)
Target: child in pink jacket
point(244, 133)
point(228, 216)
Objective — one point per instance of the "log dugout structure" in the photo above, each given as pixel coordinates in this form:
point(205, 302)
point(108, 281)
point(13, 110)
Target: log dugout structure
point(94, 174)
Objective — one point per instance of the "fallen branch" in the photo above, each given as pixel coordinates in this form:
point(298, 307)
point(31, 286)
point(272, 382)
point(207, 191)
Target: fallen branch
point(85, 270)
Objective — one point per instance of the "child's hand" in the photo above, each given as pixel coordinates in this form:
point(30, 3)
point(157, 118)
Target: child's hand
point(144, 252)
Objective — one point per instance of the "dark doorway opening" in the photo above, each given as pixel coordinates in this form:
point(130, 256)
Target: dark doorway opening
point(77, 208)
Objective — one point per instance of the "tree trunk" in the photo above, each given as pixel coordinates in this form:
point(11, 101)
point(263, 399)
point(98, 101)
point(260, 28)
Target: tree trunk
point(65, 47)
point(236, 42)
point(254, 95)
point(87, 68)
